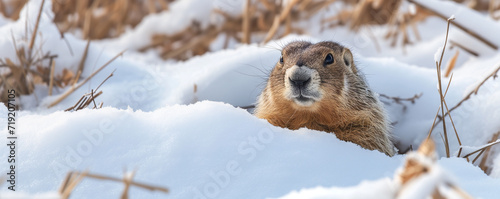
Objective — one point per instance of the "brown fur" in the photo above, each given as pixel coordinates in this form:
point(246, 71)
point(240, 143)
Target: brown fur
point(350, 111)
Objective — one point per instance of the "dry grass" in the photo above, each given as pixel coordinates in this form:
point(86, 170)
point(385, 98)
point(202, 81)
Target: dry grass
point(74, 178)
point(487, 154)
point(471, 32)
point(75, 87)
point(399, 100)
point(261, 18)
point(451, 64)
point(441, 118)
point(420, 164)
point(113, 16)
point(413, 168)
point(31, 67)
point(448, 112)
point(260, 21)
point(11, 9)
point(482, 149)
point(377, 12)
point(442, 95)
point(89, 98)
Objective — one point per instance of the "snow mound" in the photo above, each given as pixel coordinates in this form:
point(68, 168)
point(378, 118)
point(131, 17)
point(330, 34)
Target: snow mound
point(208, 148)
point(420, 177)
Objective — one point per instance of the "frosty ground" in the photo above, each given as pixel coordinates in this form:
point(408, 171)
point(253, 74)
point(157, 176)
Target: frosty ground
point(199, 144)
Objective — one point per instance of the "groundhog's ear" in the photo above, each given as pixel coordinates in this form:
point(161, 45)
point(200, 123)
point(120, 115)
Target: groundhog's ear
point(348, 60)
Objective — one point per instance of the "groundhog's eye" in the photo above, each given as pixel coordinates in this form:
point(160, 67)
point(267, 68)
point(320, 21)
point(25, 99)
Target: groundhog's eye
point(329, 59)
point(281, 59)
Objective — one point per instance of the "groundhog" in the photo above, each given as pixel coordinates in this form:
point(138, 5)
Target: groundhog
point(319, 87)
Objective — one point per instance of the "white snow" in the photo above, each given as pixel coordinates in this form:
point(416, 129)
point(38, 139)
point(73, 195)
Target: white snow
point(199, 145)
point(437, 55)
point(412, 8)
point(383, 188)
point(472, 149)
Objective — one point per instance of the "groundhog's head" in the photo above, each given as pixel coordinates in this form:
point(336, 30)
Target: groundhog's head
point(306, 73)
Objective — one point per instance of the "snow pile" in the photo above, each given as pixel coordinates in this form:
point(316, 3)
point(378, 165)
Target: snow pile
point(161, 119)
point(420, 177)
point(208, 148)
point(204, 150)
point(383, 189)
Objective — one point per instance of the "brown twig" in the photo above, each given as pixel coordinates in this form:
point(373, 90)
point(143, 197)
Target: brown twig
point(82, 61)
point(76, 105)
point(304, 4)
point(473, 92)
point(447, 146)
point(85, 100)
point(33, 35)
point(140, 185)
point(438, 69)
point(470, 32)
point(482, 148)
point(127, 180)
point(439, 108)
point(488, 154)
point(51, 78)
point(451, 119)
point(246, 23)
point(267, 4)
point(285, 12)
point(451, 64)
point(191, 44)
point(272, 31)
point(478, 155)
point(109, 76)
point(461, 192)
point(314, 8)
point(398, 100)
point(72, 184)
point(452, 43)
point(73, 88)
point(93, 98)
point(65, 183)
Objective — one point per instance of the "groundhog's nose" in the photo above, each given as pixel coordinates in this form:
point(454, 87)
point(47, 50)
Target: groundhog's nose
point(300, 82)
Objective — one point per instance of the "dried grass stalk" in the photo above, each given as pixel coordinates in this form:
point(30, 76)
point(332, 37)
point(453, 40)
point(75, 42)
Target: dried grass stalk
point(132, 183)
point(473, 92)
point(487, 154)
point(246, 22)
point(273, 29)
point(72, 89)
point(12, 9)
point(420, 164)
point(74, 178)
point(51, 82)
point(458, 25)
point(451, 64)
point(373, 12)
point(116, 15)
point(453, 43)
point(73, 182)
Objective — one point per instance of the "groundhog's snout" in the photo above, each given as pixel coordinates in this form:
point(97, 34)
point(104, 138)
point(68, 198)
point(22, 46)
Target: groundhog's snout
point(300, 82)
point(302, 85)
